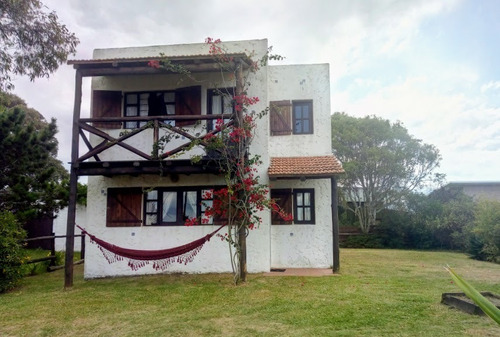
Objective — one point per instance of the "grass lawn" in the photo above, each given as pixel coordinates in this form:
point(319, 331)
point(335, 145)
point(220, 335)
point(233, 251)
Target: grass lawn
point(378, 293)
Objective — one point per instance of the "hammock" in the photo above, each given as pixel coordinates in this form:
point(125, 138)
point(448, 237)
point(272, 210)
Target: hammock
point(161, 259)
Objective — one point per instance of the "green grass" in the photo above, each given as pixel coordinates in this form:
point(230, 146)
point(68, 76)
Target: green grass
point(378, 293)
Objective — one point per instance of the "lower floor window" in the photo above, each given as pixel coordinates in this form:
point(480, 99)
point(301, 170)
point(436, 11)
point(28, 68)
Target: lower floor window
point(299, 201)
point(175, 206)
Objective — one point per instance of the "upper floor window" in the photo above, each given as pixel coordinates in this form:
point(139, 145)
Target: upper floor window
point(178, 102)
point(156, 103)
point(294, 117)
point(302, 117)
point(181, 101)
point(219, 101)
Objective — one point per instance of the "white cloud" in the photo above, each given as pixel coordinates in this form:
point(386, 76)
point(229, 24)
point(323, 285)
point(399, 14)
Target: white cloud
point(490, 86)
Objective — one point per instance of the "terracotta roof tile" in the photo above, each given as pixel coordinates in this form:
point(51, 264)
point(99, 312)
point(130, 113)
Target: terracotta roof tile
point(317, 166)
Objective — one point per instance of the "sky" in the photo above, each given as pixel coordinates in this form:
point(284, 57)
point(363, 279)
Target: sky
point(432, 65)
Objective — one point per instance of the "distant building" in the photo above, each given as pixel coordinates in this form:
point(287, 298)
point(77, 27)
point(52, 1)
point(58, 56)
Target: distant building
point(486, 190)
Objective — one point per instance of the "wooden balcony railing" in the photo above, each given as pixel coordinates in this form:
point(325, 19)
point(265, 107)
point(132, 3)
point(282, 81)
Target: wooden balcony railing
point(156, 123)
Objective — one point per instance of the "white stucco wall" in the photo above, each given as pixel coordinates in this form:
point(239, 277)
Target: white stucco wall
point(302, 82)
point(305, 246)
point(214, 257)
point(277, 246)
point(60, 224)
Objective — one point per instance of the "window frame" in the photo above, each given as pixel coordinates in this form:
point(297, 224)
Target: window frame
point(293, 195)
point(295, 120)
point(180, 207)
point(137, 105)
point(210, 95)
point(311, 206)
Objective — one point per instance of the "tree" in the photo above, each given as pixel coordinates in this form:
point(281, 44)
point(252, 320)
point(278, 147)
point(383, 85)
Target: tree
point(33, 42)
point(383, 164)
point(31, 178)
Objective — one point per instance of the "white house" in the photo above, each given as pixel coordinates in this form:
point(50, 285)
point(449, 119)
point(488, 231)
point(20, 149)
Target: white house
point(139, 202)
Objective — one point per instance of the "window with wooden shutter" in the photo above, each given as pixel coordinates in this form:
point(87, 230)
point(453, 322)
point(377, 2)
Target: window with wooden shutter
point(124, 207)
point(280, 118)
point(106, 104)
point(283, 198)
point(188, 102)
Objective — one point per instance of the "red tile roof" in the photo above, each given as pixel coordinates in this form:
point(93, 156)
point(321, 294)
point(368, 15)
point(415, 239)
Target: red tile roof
point(295, 167)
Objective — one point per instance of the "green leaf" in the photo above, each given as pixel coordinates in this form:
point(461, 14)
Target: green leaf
point(489, 308)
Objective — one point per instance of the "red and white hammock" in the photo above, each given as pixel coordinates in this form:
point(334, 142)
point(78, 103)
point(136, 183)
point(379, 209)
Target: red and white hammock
point(161, 259)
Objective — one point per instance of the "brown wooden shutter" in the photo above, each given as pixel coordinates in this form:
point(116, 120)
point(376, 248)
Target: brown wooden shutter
point(107, 104)
point(124, 207)
point(280, 118)
point(188, 102)
point(283, 198)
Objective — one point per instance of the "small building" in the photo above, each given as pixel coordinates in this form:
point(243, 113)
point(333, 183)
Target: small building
point(139, 194)
point(489, 190)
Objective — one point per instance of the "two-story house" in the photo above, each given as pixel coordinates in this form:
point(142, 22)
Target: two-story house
point(139, 193)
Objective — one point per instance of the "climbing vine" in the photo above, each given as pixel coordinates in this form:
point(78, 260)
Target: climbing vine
point(242, 199)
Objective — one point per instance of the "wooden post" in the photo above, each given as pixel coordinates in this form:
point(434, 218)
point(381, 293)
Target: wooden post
point(73, 186)
point(335, 226)
point(53, 250)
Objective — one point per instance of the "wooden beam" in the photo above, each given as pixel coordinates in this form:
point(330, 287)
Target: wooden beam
point(73, 185)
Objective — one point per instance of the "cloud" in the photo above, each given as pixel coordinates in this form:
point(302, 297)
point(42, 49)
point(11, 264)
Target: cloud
point(389, 58)
point(490, 86)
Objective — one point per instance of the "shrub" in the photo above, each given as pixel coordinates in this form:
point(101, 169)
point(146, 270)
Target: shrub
point(362, 241)
point(485, 239)
point(11, 252)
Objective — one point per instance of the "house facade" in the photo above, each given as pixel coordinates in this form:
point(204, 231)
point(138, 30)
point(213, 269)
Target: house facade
point(143, 183)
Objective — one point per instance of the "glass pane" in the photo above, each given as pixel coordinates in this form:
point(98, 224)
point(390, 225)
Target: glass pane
point(206, 220)
point(151, 219)
point(130, 125)
point(299, 199)
point(205, 204)
point(300, 214)
point(132, 99)
point(298, 112)
point(170, 109)
point(207, 194)
point(169, 97)
point(228, 105)
point(169, 207)
point(152, 195)
point(216, 105)
point(151, 206)
point(298, 127)
point(306, 126)
point(307, 214)
point(144, 98)
point(305, 111)
point(131, 111)
point(189, 201)
point(307, 199)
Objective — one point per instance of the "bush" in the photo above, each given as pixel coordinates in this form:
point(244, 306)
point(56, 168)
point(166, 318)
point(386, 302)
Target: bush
point(362, 241)
point(11, 252)
point(485, 238)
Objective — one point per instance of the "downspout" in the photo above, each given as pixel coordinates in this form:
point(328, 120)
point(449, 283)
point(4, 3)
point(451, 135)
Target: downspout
point(335, 226)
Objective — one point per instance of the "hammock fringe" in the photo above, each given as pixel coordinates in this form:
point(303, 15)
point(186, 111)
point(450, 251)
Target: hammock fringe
point(160, 259)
